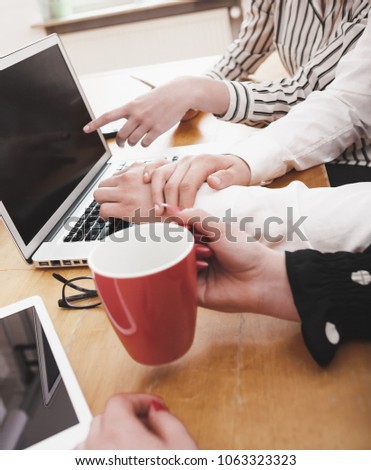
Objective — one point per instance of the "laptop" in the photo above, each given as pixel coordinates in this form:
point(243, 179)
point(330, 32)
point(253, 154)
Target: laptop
point(49, 167)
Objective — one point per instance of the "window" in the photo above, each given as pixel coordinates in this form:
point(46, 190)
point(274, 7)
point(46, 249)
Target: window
point(86, 5)
point(63, 8)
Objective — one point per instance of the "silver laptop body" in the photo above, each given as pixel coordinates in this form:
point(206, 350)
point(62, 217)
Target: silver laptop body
point(49, 167)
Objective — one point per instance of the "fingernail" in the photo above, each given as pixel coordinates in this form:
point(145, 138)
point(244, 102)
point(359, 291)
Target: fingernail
point(202, 248)
point(216, 179)
point(86, 128)
point(158, 406)
point(202, 264)
point(168, 206)
point(146, 175)
point(120, 143)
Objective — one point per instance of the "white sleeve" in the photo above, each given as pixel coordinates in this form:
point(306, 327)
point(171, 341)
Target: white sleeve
point(319, 129)
point(296, 217)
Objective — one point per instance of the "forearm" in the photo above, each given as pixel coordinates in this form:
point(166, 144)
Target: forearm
point(296, 217)
point(201, 93)
point(277, 149)
point(205, 94)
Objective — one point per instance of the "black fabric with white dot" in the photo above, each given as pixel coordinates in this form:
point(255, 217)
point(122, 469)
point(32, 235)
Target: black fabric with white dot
point(332, 293)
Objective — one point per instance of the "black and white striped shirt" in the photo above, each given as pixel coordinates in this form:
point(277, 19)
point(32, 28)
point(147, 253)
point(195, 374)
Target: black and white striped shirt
point(310, 42)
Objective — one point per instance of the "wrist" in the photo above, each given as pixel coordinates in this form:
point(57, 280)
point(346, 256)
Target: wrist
point(185, 90)
point(276, 298)
point(245, 169)
point(208, 95)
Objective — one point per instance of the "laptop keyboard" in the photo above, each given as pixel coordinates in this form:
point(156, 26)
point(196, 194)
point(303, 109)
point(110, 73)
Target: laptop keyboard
point(91, 226)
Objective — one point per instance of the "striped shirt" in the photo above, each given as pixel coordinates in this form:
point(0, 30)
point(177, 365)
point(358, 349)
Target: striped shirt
point(309, 41)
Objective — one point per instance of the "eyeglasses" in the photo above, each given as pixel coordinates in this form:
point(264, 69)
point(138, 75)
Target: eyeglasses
point(70, 299)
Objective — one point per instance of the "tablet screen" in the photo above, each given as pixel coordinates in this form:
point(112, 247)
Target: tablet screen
point(34, 403)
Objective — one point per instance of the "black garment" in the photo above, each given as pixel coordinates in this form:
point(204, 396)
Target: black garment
point(332, 293)
point(347, 174)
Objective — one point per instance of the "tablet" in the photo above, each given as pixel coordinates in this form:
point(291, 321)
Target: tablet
point(41, 404)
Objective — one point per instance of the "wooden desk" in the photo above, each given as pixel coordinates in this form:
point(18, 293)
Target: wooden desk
point(248, 381)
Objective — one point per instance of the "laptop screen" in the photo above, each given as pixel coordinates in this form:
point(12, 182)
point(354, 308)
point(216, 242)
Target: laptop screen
point(44, 154)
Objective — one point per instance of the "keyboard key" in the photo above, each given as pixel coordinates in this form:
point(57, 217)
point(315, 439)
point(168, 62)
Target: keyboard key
point(91, 226)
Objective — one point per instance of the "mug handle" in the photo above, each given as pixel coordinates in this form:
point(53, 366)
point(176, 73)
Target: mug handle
point(133, 327)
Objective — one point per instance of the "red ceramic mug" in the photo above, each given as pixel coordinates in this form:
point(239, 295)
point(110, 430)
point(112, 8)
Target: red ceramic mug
point(146, 278)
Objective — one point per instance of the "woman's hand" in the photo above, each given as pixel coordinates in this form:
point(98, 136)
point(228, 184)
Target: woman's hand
point(238, 274)
point(152, 114)
point(137, 422)
point(125, 196)
point(177, 183)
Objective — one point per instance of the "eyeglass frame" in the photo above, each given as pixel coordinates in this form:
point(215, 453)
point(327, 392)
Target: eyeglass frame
point(64, 302)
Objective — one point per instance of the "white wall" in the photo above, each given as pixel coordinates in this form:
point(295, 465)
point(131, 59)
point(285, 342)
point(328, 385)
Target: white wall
point(148, 42)
point(16, 18)
point(128, 45)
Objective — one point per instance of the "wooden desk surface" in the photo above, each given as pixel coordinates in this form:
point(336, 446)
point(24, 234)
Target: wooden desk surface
point(248, 381)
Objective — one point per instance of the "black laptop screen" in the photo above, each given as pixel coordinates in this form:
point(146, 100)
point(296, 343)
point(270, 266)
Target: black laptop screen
point(44, 154)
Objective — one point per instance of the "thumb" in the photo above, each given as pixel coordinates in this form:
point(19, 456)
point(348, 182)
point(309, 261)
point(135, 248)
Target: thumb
point(204, 223)
point(190, 114)
point(222, 179)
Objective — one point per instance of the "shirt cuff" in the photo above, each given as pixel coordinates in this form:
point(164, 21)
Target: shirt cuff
point(214, 74)
point(263, 154)
point(239, 102)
